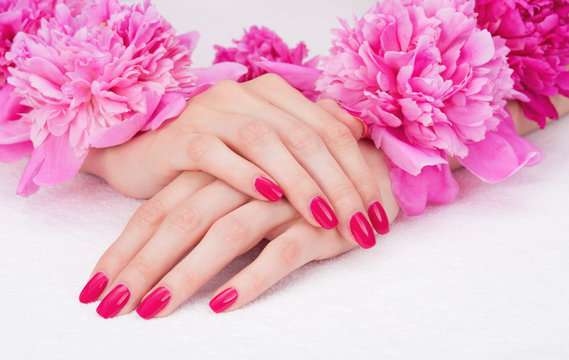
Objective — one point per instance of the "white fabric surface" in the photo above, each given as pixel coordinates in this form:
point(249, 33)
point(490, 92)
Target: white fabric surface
point(483, 278)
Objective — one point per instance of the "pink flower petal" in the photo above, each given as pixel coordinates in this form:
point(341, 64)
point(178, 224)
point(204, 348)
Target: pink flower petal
point(501, 154)
point(434, 184)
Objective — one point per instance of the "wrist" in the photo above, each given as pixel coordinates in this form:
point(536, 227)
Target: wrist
point(96, 163)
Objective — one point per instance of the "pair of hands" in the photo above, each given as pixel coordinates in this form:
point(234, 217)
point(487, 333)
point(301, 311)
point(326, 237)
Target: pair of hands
point(210, 174)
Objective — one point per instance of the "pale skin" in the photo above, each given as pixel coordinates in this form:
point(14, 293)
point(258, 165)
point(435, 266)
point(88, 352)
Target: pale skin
point(212, 221)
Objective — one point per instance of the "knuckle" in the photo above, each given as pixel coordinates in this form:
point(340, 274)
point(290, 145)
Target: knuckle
point(338, 134)
point(366, 186)
point(232, 231)
point(258, 281)
point(150, 213)
point(256, 133)
point(289, 253)
point(226, 87)
point(303, 185)
point(184, 276)
point(303, 138)
point(272, 78)
point(115, 256)
point(199, 146)
point(143, 268)
point(183, 220)
point(343, 192)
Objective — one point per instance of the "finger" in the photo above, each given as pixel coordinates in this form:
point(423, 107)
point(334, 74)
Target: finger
point(280, 257)
point(140, 228)
point(180, 230)
point(208, 153)
point(257, 141)
point(363, 179)
point(348, 181)
point(357, 126)
point(230, 236)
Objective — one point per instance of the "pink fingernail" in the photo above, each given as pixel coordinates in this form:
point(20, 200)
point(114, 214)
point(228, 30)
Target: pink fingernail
point(323, 213)
point(268, 189)
point(112, 304)
point(154, 303)
point(223, 300)
point(362, 231)
point(94, 288)
point(378, 218)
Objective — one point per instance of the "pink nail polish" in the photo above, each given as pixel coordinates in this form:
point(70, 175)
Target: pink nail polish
point(223, 300)
point(94, 288)
point(378, 218)
point(112, 304)
point(362, 231)
point(323, 213)
point(268, 189)
point(154, 303)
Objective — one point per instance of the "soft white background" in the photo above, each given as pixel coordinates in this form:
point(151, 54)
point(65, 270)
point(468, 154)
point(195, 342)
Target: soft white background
point(483, 278)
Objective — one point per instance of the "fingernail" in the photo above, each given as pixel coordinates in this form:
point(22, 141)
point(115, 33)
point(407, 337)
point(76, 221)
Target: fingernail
point(94, 288)
point(362, 231)
point(154, 303)
point(323, 213)
point(112, 304)
point(366, 127)
point(223, 300)
point(268, 189)
point(378, 218)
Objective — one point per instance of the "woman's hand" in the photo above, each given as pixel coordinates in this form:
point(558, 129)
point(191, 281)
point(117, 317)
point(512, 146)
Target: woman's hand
point(254, 136)
point(212, 223)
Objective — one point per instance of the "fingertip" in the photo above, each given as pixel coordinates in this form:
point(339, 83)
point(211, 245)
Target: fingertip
point(268, 189)
point(224, 300)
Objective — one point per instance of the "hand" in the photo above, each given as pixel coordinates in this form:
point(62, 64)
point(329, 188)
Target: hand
point(254, 136)
point(214, 223)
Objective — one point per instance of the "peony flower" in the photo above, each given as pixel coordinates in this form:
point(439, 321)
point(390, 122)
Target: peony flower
point(262, 51)
point(19, 16)
point(537, 32)
point(97, 79)
point(430, 84)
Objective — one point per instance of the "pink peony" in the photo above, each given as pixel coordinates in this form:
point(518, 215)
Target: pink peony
point(19, 16)
point(97, 79)
point(263, 51)
point(430, 84)
point(537, 32)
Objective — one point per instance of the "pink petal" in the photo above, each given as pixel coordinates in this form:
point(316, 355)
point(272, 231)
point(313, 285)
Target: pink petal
point(408, 157)
point(124, 131)
point(300, 77)
point(501, 154)
point(218, 72)
point(53, 162)
point(171, 105)
point(434, 184)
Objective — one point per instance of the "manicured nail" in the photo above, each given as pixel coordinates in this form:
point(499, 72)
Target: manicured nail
point(362, 231)
point(323, 213)
point(223, 300)
point(268, 189)
point(154, 303)
point(94, 288)
point(366, 127)
point(378, 218)
point(112, 304)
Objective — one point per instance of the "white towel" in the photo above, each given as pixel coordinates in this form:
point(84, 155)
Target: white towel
point(483, 278)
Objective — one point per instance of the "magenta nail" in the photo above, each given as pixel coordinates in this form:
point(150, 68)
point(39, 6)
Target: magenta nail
point(112, 304)
point(362, 231)
point(94, 288)
point(378, 218)
point(268, 189)
point(154, 303)
point(223, 300)
point(323, 213)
